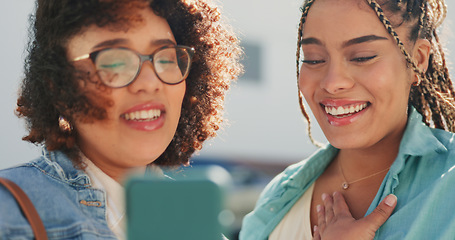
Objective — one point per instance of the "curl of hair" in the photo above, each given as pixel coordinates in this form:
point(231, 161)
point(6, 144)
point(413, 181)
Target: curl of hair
point(434, 95)
point(51, 87)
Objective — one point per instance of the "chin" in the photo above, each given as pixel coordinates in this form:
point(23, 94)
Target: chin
point(142, 161)
point(352, 143)
point(345, 143)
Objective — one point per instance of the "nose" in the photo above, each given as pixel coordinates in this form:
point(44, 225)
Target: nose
point(146, 81)
point(337, 79)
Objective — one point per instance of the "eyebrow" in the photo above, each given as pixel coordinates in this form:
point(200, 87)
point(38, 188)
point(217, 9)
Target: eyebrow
point(308, 41)
point(363, 39)
point(117, 41)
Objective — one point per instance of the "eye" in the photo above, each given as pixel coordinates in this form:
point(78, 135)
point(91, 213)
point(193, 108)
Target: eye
point(363, 59)
point(312, 62)
point(113, 65)
point(165, 61)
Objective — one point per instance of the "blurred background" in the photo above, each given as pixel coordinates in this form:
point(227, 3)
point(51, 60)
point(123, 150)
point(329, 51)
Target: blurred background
point(264, 131)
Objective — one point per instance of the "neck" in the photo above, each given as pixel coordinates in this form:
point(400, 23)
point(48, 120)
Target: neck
point(116, 172)
point(361, 162)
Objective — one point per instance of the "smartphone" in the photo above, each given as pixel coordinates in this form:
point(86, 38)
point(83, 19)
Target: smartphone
point(181, 208)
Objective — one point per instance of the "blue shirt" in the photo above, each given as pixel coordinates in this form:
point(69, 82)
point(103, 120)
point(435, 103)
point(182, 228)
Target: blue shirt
point(67, 204)
point(422, 177)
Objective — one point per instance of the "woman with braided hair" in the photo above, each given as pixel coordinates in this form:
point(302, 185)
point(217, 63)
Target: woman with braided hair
point(374, 75)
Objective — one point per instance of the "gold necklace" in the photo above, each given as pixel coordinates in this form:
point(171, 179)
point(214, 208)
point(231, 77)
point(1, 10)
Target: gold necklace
point(345, 185)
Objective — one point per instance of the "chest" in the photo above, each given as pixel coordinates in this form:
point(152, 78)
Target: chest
point(358, 196)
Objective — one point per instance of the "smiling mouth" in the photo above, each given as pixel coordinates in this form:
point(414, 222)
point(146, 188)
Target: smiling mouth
point(143, 115)
point(345, 111)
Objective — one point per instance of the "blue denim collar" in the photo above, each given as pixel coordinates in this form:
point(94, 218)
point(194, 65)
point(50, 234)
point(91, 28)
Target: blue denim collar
point(57, 165)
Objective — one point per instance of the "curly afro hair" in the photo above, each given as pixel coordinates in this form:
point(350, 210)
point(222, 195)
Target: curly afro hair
point(50, 88)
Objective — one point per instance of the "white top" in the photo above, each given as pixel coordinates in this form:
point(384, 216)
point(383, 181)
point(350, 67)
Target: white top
point(115, 203)
point(115, 193)
point(296, 223)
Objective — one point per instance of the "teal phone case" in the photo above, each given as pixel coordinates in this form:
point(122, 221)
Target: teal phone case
point(167, 209)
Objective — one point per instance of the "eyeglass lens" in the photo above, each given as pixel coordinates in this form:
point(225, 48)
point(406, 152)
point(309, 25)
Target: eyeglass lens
point(117, 67)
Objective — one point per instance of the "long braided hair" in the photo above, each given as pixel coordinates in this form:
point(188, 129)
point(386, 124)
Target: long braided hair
point(433, 95)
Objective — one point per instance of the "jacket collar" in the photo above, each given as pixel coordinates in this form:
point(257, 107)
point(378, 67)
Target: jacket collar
point(58, 165)
point(418, 138)
point(309, 170)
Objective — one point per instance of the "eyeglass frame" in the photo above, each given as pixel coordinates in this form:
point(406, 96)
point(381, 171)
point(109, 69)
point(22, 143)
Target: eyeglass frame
point(143, 57)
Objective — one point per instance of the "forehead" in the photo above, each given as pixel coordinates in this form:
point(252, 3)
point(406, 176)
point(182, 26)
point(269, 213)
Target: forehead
point(342, 19)
point(139, 36)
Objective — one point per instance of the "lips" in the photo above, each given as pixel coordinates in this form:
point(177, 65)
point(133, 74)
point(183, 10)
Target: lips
point(342, 112)
point(145, 117)
point(345, 111)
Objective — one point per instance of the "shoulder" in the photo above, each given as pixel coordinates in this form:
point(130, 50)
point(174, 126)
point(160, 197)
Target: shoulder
point(12, 222)
point(256, 224)
point(282, 192)
point(43, 177)
point(24, 174)
point(280, 181)
point(300, 174)
point(59, 201)
point(30, 178)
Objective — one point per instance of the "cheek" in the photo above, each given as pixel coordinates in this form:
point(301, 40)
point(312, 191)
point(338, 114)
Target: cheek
point(307, 85)
point(387, 78)
point(91, 133)
point(176, 95)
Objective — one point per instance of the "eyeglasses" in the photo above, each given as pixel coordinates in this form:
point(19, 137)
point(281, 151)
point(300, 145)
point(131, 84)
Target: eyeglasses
point(119, 67)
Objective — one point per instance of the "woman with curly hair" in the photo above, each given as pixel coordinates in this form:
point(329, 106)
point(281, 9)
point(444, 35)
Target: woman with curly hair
point(374, 75)
point(112, 86)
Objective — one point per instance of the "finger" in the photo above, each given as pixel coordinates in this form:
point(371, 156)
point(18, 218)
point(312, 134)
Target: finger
point(328, 205)
point(316, 234)
point(381, 213)
point(321, 218)
point(339, 205)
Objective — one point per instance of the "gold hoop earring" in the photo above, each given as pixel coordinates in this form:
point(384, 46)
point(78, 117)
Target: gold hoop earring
point(64, 124)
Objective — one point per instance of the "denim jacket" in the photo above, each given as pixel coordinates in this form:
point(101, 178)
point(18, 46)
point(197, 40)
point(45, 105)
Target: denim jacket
point(67, 204)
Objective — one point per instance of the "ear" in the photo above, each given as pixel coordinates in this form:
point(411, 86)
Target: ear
point(421, 54)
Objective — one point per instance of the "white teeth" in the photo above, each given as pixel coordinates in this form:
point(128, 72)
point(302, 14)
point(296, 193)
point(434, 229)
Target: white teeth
point(340, 111)
point(144, 115)
point(337, 111)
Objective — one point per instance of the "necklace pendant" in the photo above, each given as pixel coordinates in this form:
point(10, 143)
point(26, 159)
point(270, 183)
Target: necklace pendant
point(345, 185)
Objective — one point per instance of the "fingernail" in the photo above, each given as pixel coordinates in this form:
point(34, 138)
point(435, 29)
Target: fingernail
point(324, 196)
point(390, 200)
point(315, 228)
point(318, 208)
